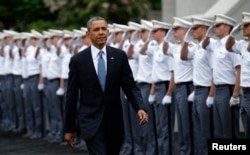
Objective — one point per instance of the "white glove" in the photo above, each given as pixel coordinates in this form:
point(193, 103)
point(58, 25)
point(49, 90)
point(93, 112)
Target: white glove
point(59, 43)
point(110, 38)
point(27, 42)
point(40, 43)
point(166, 100)
point(40, 86)
point(72, 42)
point(125, 35)
point(135, 37)
point(209, 101)
point(191, 97)
point(210, 32)
point(60, 92)
point(188, 36)
point(169, 36)
point(77, 41)
point(48, 43)
point(22, 86)
point(234, 101)
point(150, 36)
point(235, 31)
point(151, 99)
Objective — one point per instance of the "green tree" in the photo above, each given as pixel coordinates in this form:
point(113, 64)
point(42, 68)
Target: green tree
point(22, 14)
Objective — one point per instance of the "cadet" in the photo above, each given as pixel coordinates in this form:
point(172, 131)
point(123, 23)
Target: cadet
point(242, 47)
point(183, 78)
point(226, 77)
point(17, 75)
point(142, 43)
point(10, 109)
point(31, 94)
point(202, 80)
point(53, 75)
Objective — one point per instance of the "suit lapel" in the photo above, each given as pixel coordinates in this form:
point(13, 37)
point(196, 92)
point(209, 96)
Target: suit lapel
point(110, 65)
point(90, 65)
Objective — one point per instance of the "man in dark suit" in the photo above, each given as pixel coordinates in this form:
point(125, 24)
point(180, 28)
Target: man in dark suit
point(97, 74)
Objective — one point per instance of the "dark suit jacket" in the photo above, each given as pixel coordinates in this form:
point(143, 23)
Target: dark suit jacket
point(96, 106)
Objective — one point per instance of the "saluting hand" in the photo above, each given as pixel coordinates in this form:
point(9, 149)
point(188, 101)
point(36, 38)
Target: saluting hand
point(143, 117)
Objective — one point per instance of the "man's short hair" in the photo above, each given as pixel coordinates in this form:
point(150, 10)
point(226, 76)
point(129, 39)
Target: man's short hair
point(95, 19)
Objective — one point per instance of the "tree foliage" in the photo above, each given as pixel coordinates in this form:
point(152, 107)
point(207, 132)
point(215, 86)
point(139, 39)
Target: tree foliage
point(23, 15)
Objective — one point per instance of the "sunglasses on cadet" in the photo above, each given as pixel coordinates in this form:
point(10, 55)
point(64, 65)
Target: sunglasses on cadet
point(218, 25)
point(176, 28)
point(246, 25)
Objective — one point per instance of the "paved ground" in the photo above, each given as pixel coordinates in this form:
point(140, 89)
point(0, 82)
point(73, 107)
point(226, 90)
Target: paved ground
point(13, 144)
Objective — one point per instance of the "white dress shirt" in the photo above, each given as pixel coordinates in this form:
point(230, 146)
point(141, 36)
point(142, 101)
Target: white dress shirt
point(8, 61)
point(183, 69)
point(162, 64)
point(95, 51)
point(17, 61)
point(224, 62)
point(144, 73)
point(54, 66)
point(45, 62)
point(241, 47)
point(1, 64)
point(202, 67)
point(33, 63)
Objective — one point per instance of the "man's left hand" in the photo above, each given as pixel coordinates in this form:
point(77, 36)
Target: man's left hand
point(143, 117)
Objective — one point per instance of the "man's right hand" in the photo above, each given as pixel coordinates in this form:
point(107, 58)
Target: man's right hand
point(69, 138)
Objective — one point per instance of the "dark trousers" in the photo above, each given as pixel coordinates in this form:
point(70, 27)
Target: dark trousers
point(105, 142)
point(245, 111)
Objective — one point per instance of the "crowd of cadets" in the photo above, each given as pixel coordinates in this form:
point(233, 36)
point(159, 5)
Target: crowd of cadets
point(196, 70)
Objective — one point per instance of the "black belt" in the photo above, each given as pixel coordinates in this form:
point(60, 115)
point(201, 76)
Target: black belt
point(32, 76)
point(161, 82)
point(199, 87)
point(8, 75)
point(246, 89)
point(17, 75)
point(52, 80)
point(143, 83)
point(183, 83)
point(223, 85)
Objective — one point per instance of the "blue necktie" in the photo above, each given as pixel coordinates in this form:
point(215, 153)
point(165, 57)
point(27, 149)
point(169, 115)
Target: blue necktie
point(101, 70)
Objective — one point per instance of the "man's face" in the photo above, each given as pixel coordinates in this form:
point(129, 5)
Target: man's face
point(98, 33)
point(246, 30)
point(158, 34)
point(118, 37)
point(144, 35)
point(198, 32)
point(33, 41)
point(179, 32)
point(221, 30)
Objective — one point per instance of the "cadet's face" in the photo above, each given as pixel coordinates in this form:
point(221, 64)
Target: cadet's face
point(246, 30)
point(159, 34)
point(118, 37)
point(33, 41)
point(86, 40)
point(144, 35)
point(130, 33)
point(221, 30)
point(98, 33)
point(179, 33)
point(55, 39)
point(66, 41)
point(7, 39)
point(198, 32)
